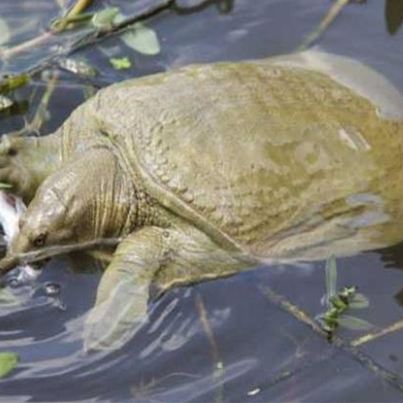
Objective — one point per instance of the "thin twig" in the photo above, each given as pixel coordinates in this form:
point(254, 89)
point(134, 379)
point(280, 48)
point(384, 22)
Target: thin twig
point(7, 53)
point(61, 25)
point(376, 335)
point(218, 368)
point(367, 362)
point(51, 251)
point(78, 8)
point(324, 24)
point(36, 123)
point(95, 36)
point(89, 39)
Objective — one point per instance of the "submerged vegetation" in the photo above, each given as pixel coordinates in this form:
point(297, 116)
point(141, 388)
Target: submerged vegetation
point(340, 302)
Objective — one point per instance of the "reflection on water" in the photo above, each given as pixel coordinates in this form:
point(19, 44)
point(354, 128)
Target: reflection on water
point(222, 340)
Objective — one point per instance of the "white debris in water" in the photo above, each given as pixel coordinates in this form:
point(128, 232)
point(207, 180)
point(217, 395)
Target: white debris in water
point(253, 392)
point(11, 209)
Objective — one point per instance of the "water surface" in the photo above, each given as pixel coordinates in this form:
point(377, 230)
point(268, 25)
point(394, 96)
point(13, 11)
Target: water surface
point(222, 340)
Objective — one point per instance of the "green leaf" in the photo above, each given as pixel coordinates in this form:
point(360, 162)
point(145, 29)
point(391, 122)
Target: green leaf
point(353, 323)
point(142, 39)
point(360, 301)
point(338, 304)
point(10, 83)
point(105, 17)
point(8, 361)
point(331, 277)
point(5, 35)
point(7, 298)
point(120, 64)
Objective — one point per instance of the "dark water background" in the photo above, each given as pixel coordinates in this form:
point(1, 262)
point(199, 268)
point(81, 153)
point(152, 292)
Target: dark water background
point(256, 351)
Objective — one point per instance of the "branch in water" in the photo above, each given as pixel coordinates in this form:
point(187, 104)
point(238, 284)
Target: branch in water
point(8, 263)
point(102, 33)
point(59, 26)
point(324, 24)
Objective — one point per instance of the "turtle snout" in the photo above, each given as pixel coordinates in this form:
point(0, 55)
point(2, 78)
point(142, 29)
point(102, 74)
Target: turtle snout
point(19, 245)
point(8, 263)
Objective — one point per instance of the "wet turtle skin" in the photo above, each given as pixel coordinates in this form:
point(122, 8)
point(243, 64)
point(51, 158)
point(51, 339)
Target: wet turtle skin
point(204, 171)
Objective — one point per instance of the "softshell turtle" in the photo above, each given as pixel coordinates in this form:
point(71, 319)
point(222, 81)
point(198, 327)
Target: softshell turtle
point(206, 170)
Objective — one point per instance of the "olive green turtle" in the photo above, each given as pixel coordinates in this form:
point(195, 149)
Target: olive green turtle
point(207, 170)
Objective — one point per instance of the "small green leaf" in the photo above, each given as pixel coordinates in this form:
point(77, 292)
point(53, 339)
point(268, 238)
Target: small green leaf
point(353, 323)
point(120, 64)
point(360, 301)
point(7, 298)
point(142, 39)
point(105, 17)
point(5, 35)
point(331, 277)
point(331, 321)
point(338, 303)
point(8, 361)
point(10, 83)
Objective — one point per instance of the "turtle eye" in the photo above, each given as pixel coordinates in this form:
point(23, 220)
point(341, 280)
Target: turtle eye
point(40, 240)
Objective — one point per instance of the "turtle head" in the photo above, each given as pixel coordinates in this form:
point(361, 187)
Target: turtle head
point(44, 225)
point(86, 203)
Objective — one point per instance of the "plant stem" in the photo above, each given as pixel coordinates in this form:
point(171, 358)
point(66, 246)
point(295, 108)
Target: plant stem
point(215, 356)
point(78, 8)
point(324, 24)
point(366, 361)
point(61, 25)
point(376, 335)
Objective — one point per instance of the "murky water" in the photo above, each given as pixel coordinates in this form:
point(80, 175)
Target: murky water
point(224, 340)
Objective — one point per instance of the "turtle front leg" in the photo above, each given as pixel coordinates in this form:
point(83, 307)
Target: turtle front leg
point(25, 162)
point(156, 258)
point(122, 297)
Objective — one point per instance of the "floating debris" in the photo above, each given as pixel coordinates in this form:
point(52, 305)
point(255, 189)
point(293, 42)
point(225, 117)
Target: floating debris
point(77, 66)
point(253, 392)
point(11, 209)
point(8, 361)
point(5, 103)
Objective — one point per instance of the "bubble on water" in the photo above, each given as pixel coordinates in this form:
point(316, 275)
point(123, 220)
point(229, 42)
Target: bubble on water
point(52, 289)
point(14, 282)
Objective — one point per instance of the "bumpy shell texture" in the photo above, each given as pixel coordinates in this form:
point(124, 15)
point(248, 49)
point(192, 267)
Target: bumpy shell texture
point(261, 155)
